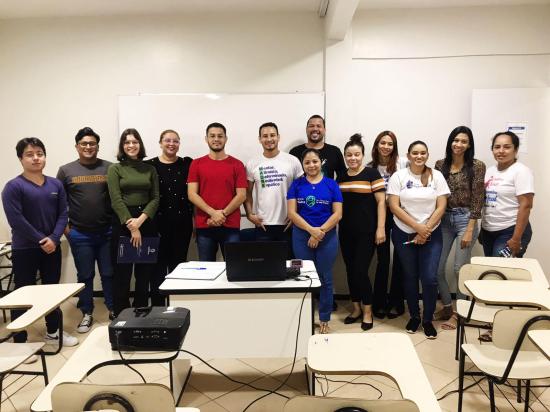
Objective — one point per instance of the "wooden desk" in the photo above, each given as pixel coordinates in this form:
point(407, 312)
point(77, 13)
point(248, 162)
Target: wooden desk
point(389, 354)
point(541, 338)
point(509, 292)
point(95, 353)
point(532, 265)
point(265, 315)
point(39, 299)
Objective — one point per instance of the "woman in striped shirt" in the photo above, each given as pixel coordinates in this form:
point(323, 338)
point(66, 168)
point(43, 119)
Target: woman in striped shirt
point(361, 227)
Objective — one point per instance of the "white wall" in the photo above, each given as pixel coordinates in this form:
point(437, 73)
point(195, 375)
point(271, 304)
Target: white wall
point(405, 81)
point(58, 75)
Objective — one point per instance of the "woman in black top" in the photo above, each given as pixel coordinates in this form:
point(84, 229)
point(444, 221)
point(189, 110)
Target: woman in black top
point(361, 227)
point(174, 216)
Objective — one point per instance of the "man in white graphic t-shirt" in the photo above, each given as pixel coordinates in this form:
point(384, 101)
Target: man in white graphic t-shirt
point(269, 177)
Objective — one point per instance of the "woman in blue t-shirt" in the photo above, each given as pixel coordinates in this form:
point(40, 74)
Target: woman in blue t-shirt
point(315, 207)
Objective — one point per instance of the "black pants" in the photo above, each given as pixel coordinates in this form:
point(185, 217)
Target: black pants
point(26, 264)
point(276, 233)
point(175, 236)
point(357, 250)
point(146, 274)
point(396, 296)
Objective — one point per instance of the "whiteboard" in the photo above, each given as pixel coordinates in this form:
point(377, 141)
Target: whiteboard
point(241, 114)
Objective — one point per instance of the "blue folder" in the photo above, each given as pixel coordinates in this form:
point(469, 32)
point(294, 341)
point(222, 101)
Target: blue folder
point(146, 253)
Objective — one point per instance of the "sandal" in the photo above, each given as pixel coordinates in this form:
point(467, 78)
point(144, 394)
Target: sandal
point(451, 323)
point(487, 336)
point(323, 327)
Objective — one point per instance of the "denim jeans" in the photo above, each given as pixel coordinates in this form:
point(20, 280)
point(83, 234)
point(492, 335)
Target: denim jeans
point(323, 257)
point(26, 264)
point(276, 233)
point(208, 241)
point(87, 249)
point(419, 262)
point(383, 252)
point(494, 242)
point(453, 225)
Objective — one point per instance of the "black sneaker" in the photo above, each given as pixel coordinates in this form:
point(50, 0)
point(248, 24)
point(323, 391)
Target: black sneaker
point(429, 330)
point(412, 325)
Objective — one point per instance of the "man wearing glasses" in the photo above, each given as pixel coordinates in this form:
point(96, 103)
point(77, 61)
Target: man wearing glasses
point(89, 229)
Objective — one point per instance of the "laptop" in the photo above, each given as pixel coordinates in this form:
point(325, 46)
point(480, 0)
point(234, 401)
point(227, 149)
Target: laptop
point(255, 261)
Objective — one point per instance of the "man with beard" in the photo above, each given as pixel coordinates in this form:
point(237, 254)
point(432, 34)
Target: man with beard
point(217, 187)
point(331, 157)
point(269, 177)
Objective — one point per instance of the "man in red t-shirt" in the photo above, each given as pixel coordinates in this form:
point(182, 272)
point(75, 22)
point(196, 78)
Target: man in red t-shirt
point(216, 185)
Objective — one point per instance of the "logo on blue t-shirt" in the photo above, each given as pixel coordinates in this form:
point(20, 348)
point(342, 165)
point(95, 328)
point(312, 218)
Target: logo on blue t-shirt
point(310, 201)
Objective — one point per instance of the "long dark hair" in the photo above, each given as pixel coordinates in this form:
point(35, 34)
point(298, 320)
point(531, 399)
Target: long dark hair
point(391, 167)
point(468, 154)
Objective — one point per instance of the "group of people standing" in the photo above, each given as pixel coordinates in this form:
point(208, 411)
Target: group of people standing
point(287, 196)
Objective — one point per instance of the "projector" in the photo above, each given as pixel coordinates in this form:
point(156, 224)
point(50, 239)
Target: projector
point(156, 328)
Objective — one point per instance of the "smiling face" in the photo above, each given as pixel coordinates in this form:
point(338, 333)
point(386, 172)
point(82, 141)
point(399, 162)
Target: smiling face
point(385, 146)
point(418, 155)
point(87, 149)
point(353, 156)
point(131, 147)
point(216, 139)
point(460, 144)
point(269, 139)
point(504, 151)
point(33, 159)
point(312, 164)
point(315, 130)
point(170, 144)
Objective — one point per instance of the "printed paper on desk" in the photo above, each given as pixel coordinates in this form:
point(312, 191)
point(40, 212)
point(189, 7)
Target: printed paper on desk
point(197, 271)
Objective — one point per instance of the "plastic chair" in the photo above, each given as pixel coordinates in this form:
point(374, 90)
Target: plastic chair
point(144, 397)
point(480, 315)
point(304, 403)
point(511, 355)
point(14, 354)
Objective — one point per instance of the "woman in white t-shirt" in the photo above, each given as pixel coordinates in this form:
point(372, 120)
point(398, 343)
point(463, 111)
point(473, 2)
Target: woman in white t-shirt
point(385, 158)
point(509, 192)
point(417, 199)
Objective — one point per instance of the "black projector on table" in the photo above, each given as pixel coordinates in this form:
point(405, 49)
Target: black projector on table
point(149, 329)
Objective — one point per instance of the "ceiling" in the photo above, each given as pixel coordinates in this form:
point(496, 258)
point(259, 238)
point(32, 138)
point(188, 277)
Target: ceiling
point(64, 8)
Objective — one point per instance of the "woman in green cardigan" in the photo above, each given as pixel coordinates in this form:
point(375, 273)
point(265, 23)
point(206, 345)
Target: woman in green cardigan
point(134, 190)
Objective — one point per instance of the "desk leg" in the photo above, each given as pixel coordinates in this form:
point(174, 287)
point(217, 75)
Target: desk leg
point(179, 368)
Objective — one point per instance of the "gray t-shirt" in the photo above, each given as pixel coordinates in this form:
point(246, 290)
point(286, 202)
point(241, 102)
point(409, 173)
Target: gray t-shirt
point(87, 195)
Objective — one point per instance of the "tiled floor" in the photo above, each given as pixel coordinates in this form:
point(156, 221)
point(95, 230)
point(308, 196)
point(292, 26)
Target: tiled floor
point(211, 392)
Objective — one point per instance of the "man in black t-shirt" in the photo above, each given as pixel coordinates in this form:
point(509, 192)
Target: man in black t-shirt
point(331, 156)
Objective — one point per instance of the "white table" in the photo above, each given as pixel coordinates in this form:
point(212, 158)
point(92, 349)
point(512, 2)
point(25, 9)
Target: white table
point(389, 354)
point(532, 265)
point(246, 319)
point(509, 292)
point(94, 353)
point(541, 338)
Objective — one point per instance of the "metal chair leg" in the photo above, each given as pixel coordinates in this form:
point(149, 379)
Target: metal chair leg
point(527, 390)
point(461, 379)
point(491, 394)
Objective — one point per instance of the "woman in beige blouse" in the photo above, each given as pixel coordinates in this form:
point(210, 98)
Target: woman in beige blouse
point(464, 175)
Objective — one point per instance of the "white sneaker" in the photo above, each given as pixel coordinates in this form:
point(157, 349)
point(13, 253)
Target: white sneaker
point(30, 359)
point(85, 323)
point(68, 340)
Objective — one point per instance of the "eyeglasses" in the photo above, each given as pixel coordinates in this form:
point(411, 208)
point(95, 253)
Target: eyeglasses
point(87, 144)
